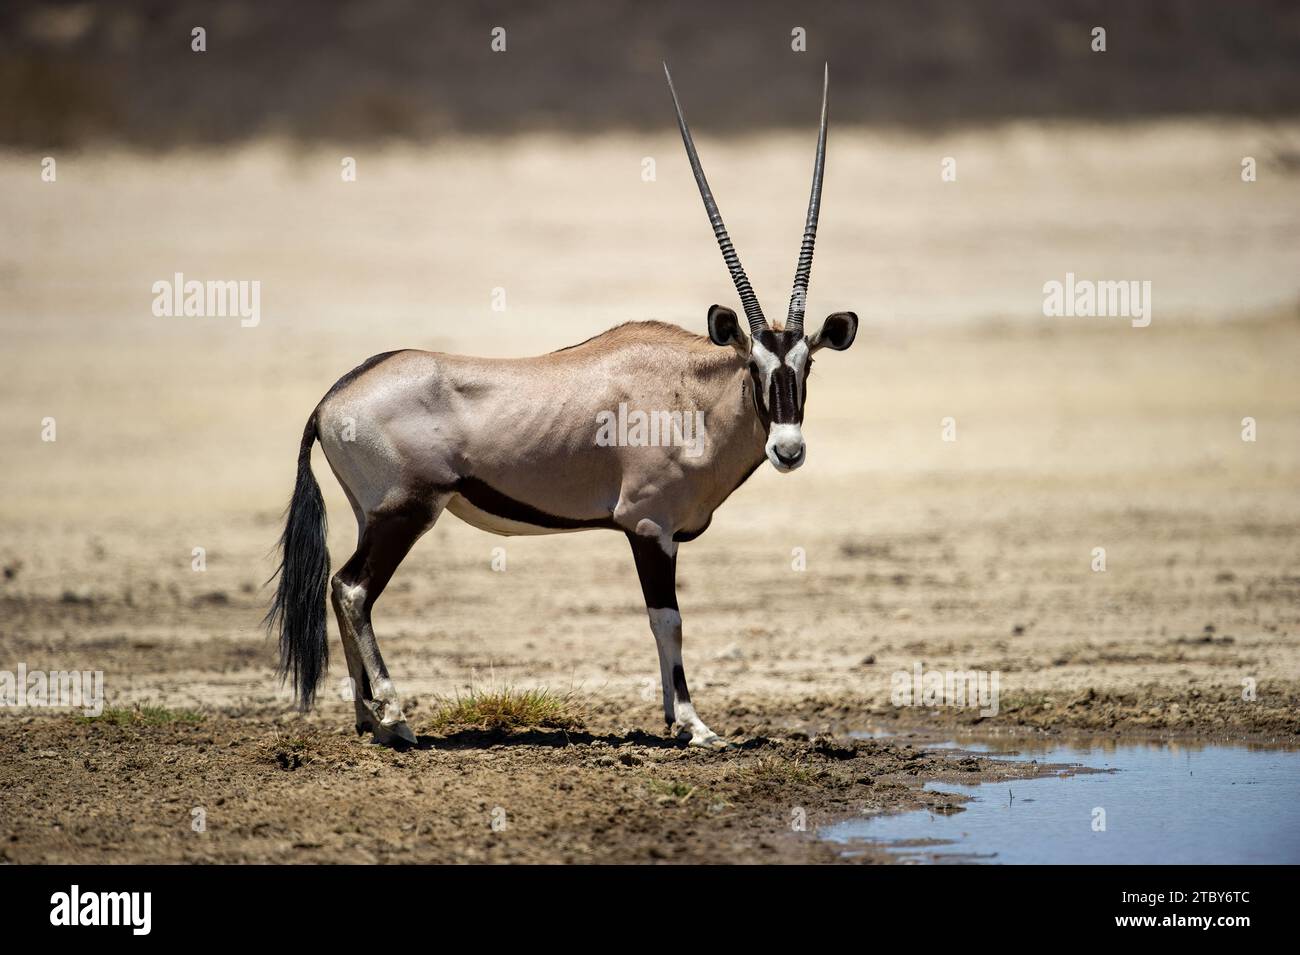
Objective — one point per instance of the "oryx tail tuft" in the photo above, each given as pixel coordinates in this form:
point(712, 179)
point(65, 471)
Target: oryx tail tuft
point(298, 611)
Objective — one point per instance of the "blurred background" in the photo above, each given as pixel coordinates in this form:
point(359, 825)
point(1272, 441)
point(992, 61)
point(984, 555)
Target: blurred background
point(355, 70)
point(524, 172)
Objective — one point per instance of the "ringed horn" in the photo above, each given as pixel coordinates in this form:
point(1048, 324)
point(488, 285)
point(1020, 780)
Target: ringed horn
point(803, 271)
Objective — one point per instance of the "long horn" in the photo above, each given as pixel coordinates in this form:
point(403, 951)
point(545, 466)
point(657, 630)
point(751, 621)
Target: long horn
point(799, 296)
point(747, 297)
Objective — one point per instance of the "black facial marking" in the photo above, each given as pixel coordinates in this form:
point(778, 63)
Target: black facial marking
point(756, 389)
point(784, 399)
point(783, 405)
point(803, 385)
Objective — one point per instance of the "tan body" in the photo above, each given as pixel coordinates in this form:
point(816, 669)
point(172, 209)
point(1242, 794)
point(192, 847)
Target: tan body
point(527, 428)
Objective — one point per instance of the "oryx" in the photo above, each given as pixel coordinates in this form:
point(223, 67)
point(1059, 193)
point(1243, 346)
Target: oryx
point(510, 446)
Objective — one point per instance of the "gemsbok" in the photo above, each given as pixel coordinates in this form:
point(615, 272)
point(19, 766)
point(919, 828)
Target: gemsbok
point(510, 446)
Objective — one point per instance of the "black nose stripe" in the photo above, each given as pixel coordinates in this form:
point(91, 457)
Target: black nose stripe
point(784, 400)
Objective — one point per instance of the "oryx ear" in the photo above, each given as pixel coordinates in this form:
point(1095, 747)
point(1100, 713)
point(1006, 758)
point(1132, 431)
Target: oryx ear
point(724, 327)
point(838, 332)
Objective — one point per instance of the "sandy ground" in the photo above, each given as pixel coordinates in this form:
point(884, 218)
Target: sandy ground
point(973, 554)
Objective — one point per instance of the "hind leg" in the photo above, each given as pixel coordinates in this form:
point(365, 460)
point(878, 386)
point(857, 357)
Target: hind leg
point(359, 682)
point(386, 538)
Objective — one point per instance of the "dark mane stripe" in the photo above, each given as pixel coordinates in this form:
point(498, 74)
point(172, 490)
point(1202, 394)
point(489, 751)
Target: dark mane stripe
point(360, 370)
point(649, 325)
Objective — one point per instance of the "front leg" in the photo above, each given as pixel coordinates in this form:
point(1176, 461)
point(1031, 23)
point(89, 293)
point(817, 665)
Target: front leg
point(656, 565)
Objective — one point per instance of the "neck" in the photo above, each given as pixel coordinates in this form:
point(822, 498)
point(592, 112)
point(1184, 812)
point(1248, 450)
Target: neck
point(736, 434)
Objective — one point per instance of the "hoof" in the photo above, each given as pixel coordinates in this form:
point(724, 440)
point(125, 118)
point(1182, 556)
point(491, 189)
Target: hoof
point(384, 720)
point(396, 734)
point(702, 738)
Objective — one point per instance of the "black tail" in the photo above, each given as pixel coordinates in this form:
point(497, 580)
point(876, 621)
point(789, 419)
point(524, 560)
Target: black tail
point(298, 610)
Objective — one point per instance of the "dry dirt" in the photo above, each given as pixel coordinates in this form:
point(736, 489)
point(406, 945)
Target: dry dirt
point(270, 792)
point(975, 554)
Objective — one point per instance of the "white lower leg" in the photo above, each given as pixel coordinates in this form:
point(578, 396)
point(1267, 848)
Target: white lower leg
point(678, 710)
point(381, 713)
point(666, 682)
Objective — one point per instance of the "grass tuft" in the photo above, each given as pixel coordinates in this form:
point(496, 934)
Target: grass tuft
point(504, 708)
point(144, 714)
point(776, 769)
point(671, 791)
point(288, 750)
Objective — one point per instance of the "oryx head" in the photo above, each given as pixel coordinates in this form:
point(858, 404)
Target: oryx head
point(779, 358)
